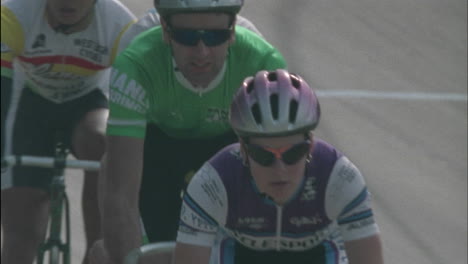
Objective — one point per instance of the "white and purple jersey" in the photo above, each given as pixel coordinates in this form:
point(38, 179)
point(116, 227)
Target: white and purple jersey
point(331, 205)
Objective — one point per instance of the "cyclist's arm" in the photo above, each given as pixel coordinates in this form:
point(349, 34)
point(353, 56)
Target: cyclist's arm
point(204, 209)
point(12, 44)
point(126, 128)
point(348, 201)
point(120, 214)
point(7, 68)
point(366, 250)
point(187, 253)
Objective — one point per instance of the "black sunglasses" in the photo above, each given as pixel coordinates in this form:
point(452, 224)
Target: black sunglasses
point(191, 37)
point(289, 154)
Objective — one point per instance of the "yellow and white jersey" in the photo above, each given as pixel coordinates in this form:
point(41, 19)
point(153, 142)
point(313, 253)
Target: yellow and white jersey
point(60, 67)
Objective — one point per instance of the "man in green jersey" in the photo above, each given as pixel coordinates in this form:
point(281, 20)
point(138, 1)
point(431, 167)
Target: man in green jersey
point(180, 78)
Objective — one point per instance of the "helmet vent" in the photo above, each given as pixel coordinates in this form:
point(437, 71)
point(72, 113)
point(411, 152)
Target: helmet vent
point(250, 87)
point(274, 105)
point(256, 113)
point(293, 111)
point(295, 81)
point(272, 77)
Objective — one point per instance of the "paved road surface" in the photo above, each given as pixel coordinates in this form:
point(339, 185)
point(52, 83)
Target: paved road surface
point(392, 77)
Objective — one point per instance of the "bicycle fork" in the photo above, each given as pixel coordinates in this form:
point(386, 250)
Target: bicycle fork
point(59, 205)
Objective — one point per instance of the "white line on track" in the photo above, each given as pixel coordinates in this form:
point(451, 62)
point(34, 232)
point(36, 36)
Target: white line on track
point(362, 94)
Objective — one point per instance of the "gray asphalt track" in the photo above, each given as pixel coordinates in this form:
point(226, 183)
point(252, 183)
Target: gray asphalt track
point(392, 77)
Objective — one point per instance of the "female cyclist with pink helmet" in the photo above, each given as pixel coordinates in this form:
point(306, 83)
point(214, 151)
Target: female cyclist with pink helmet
point(279, 195)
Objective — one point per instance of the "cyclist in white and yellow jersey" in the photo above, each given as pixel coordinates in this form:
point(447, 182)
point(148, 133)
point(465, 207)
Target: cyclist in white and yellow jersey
point(54, 60)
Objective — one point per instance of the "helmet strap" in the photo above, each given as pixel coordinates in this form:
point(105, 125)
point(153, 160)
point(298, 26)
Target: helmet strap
point(243, 154)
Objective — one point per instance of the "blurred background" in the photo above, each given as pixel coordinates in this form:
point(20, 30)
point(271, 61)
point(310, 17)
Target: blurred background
point(392, 80)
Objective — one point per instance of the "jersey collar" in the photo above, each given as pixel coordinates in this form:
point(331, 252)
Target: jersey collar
point(186, 84)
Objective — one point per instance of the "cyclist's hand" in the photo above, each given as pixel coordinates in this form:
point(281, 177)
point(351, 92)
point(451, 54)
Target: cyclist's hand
point(98, 254)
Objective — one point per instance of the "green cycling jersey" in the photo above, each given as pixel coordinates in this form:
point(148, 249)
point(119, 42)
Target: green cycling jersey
point(145, 87)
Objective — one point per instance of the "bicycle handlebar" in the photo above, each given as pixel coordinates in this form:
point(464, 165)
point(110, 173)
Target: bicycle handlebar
point(49, 162)
point(160, 247)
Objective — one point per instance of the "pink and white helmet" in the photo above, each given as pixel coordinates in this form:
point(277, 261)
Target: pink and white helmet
point(275, 103)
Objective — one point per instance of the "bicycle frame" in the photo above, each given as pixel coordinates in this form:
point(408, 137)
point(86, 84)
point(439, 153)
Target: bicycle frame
point(59, 204)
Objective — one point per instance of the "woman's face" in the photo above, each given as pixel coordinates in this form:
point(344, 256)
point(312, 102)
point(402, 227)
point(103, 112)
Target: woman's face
point(279, 180)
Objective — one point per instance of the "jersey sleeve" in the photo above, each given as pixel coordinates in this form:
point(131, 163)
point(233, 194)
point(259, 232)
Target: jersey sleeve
point(128, 102)
point(116, 49)
point(347, 200)
point(244, 22)
point(273, 60)
point(12, 41)
point(204, 208)
point(118, 19)
point(148, 20)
